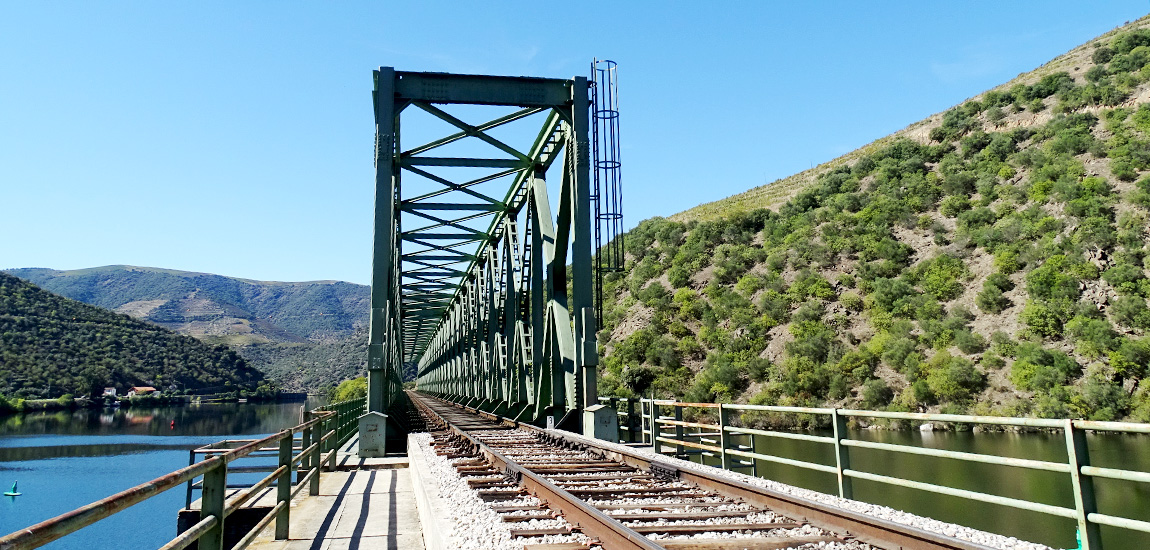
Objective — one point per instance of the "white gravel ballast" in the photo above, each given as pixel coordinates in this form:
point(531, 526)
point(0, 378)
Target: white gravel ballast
point(476, 525)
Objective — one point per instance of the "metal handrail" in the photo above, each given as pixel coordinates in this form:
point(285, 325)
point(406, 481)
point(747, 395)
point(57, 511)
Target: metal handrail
point(653, 426)
point(325, 430)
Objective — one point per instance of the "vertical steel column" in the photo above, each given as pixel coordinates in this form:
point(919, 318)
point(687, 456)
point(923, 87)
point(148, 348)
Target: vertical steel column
point(582, 285)
point(382, 270)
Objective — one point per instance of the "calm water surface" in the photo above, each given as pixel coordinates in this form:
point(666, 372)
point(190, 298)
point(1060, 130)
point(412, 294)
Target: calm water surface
point(64, 460)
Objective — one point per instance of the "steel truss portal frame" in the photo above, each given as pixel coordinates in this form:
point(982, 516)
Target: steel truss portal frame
point(491, 317)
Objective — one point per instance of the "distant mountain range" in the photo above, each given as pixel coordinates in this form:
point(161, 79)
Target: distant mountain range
point(304, 335)
point(50, 345)
point(215, 308)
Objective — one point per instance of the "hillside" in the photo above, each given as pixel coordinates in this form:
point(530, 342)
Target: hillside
point(311, 367)
point(215, 308)
point(990, 259)
point(776, 193)
point(50, 345)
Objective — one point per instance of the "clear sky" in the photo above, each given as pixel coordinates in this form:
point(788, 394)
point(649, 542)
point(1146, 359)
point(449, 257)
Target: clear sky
point(235, 137)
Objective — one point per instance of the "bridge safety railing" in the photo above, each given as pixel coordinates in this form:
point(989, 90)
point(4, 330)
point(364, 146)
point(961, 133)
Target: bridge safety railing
point(710, 432)
point(305, 448)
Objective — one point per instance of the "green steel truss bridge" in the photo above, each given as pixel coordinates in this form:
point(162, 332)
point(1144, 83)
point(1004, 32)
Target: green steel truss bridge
point(484, 278)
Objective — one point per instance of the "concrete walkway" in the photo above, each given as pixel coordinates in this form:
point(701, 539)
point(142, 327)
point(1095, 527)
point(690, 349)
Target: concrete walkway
point(367, 508)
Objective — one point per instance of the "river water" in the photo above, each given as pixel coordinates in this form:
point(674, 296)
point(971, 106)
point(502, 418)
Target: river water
point(1117, 498)
point(64, 460)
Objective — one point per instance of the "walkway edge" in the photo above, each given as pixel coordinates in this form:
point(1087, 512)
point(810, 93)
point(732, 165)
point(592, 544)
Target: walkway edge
point(438, 531)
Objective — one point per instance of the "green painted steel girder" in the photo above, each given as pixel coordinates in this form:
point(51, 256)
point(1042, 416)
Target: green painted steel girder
point(489, 314)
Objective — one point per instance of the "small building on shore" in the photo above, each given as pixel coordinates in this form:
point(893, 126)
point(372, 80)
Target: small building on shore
point(140, 390)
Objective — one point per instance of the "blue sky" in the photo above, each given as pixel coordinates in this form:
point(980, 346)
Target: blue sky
point(235, 137)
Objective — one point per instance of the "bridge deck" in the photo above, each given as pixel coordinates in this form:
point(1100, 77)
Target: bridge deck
point(367, 508)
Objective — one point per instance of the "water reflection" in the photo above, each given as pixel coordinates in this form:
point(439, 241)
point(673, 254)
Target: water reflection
point(65, 459)
point(192, 419)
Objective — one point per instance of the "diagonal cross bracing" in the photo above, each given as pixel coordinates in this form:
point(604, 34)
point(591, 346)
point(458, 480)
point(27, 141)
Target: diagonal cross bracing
point(488, 313)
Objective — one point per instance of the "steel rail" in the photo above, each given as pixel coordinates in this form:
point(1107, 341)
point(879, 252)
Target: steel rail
point(875, 531)
point(593, 522)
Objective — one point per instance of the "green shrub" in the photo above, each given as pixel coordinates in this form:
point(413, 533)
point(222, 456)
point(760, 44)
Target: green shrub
point(1141, 194)
point(991, 299)
point(1132, 359)
point(852, 301)
point(941, 277)
point(689, 303)
point(749, 284)
point(1042, 320)
point(993, 361)
point(775, 307)
point(875, 394)
point(678, 276)
point(1002, 344)
point(1128, 279)
point(954, 205)
point(813, 340)
point(1038, 369)
point(637, 379)
point(1092, 337)
point(969, 342)
point(1006, 261)
point(1051, 281)
point(893, 295)
point(953, 378)
point(355, 388)
point(1101, 399)
point(1131, 311)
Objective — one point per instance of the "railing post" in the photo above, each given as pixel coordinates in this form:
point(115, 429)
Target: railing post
point(305, 442)
point(191, 460)
point(283, 486)
point(679, 449)
point(631, 420)
point(644, 421)
point(313, 457)
point(842, 458)
point(723, 439)
point(333, 442)
point(1078, 455)
point(655, 427)
point(212, 504)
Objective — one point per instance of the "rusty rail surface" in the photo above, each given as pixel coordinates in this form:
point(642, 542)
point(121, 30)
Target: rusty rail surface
point(875, 531)
point(319, 434)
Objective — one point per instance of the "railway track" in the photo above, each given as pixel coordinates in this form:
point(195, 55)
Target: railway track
point(548, 483)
